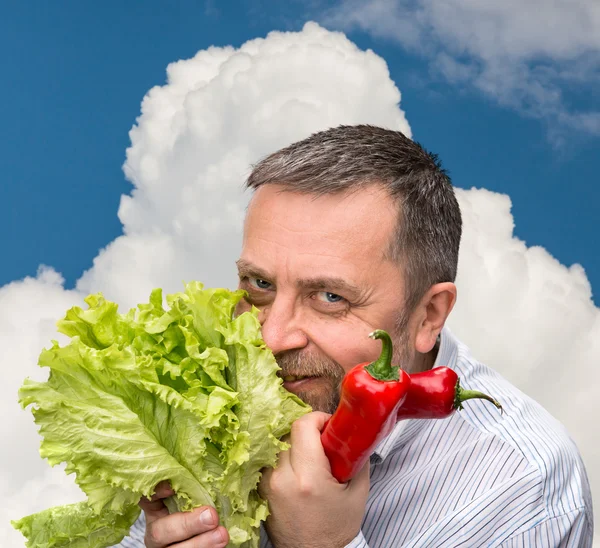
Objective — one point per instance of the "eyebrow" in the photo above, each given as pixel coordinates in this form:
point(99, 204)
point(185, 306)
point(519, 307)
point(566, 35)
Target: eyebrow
point(320, 283)
point(334, 285)
point(246, 268)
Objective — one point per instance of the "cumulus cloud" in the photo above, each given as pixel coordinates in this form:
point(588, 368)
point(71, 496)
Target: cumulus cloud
point(192, 147)
point(28, 312)
point(529, 317)
point(197, 136)
point(525, 54)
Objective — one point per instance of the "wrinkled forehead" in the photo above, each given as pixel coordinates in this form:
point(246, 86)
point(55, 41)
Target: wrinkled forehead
point(331, 213)
point(355, 226)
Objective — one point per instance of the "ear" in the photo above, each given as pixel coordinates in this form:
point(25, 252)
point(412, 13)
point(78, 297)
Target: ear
point(434, 308)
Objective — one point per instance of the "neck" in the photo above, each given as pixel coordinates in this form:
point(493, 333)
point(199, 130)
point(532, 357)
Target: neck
point(424, 362)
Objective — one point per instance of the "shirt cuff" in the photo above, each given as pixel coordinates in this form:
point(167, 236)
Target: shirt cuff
point(358, 541)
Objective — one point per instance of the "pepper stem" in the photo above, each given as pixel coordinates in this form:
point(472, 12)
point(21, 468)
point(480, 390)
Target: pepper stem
point(381, 369)
point(461, 395)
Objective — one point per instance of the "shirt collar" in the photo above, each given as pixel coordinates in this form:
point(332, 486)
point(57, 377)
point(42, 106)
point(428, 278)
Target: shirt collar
point(404, 430)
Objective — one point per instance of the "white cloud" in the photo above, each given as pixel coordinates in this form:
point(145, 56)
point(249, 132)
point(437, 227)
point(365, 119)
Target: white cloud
point(525, 54)
point(529, 317)
point(197, 136)
point(191, 149)
point(28, 313)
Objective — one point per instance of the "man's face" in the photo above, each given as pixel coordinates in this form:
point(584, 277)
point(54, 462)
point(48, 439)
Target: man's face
point(315, 268)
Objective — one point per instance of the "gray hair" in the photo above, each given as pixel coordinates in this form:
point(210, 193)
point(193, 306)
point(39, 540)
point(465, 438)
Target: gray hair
point(348, 158)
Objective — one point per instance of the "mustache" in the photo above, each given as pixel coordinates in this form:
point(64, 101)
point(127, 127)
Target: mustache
point(298, 363)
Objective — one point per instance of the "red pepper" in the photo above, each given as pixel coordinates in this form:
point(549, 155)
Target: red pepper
point(436, 394)
point(371, 394)
point(375, 396)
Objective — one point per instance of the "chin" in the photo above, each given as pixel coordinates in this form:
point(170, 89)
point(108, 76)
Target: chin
point(319, 400)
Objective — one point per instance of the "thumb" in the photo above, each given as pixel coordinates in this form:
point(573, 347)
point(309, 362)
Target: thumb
point(361, 483)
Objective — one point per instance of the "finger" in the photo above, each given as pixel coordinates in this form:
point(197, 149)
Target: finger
point(283, 458)
point(180, 526)
point(163, 490)
point(283, 469)
point(263, 484)
point(307, 449)
point(213, 539)
point(154, 507)
point(361, 483)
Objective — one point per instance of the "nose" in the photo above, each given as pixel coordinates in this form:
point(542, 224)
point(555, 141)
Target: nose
point(281, 326)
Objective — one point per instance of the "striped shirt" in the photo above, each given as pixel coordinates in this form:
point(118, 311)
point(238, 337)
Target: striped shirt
point(478, 478)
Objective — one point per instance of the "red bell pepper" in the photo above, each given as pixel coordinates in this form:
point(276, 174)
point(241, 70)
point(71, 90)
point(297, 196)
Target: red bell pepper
point(436, 394)
point(371, 394)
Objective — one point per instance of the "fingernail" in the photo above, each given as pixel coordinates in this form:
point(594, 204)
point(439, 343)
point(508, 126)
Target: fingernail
point(207, 518)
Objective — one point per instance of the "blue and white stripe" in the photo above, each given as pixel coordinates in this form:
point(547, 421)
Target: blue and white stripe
point(478, 478)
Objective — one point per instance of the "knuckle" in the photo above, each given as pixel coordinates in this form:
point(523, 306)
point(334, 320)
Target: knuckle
point(209, 539)
point(297, 427)
point(162, 531)
point(187, 523)
point(195, 522)
point(276, 484)
point(306, 487)
point(153, 536)
point(212, 539)
point(172, 527)
point(321, 416)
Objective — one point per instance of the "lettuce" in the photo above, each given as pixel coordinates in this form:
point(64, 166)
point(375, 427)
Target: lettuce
point(188, 394)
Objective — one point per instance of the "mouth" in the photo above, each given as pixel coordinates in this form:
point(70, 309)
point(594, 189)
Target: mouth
point(294, 382)
point(293, 378)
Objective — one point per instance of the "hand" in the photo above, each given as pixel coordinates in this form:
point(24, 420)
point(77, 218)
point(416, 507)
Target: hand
point(309, 508)
point(181, 529)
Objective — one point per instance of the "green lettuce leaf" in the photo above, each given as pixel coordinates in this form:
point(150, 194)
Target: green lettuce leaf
point(187, 394)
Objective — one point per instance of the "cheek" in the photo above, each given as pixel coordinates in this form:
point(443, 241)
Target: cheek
point(241, 307)
point(347, 347)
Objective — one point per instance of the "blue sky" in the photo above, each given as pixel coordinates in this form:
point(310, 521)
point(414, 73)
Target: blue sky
point(507, 97)
point(74, 77)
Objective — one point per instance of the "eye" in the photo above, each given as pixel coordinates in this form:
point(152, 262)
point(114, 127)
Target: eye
point(259, 283)
point(328, 297)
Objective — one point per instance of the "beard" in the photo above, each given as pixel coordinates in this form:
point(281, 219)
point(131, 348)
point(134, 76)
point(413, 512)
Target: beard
point(323, 393)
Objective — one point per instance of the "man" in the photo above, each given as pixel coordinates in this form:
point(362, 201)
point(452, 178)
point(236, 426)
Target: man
point(356, 229)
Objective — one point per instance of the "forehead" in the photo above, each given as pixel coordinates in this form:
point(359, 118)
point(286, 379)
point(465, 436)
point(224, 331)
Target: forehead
point(338, 232)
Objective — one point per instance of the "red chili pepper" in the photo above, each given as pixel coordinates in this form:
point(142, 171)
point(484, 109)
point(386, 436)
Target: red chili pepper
point(436, 394)
point(371, 394)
